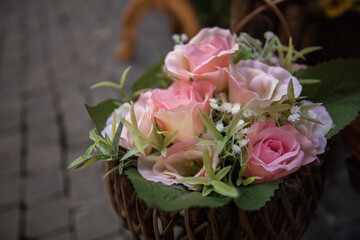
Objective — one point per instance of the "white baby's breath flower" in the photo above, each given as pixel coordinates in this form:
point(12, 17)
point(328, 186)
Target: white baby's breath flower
point(226, 107)
point(215, 106)
point(236, 148)
point(184, 37)
point(294, 117)
point(248, 113)
point(176, 38)
point(295, 109)
point(212, 100)
point(220, 126)
point(236, 108)
point(269, 35)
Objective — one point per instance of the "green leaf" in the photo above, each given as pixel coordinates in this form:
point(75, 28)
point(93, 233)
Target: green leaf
point(111, 171)
point(309, 106)
point(290, 92)
point(139, 145)
point(207, 190)
point(93, 135)
point(222, 173)
point(309, 81)
point(170, 198)
point(310, 119)
point(195, 180)
point(100, 113)
point(89, 150)
point(254, 197)
point(163, 152)
point(123, 77)
point(308, 50)
point(106, 84)
point(243, 53)
point(210, 125)
point(278, 108)
point(131, 153)
point(170, 138)
point(224, 189)
point(207, 163)
point(152, 78)
point(249, 180)
point(206, 143)
point(84, 161)
point(233, 124)
point(133, 118)
point(339, 90)
point(116, 140)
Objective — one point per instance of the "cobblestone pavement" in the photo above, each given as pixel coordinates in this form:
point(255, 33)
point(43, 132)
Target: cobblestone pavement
point(50, 53)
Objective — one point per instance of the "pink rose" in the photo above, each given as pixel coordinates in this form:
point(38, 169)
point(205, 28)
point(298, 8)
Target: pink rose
point(203, 58)
point(178, 107)
point(144, 109)
point(183, 159)
point(314, 131)
point(257, 85)
point(276, 151)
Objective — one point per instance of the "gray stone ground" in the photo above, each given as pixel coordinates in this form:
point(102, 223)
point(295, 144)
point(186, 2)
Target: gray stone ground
point(50, 53)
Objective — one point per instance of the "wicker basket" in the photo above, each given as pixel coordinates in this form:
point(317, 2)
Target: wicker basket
point(286, 216)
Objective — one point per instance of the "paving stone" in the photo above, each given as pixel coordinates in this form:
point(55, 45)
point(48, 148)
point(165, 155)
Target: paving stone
point(122, 234)
point(86, 189)
point(46, 157)
point(10, 153)
point(39, 136)
point(96, 223)
point(40, 107)
point(9, 192)
point(62, 236)
point(9, 225)
point(46, 218)
point(44, 184)
point(36, 78)
point(10, 78)
point(10, 123)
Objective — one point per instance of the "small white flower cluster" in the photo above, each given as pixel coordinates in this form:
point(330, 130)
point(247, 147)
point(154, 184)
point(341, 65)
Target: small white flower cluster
point(233, 108)
point(294, 116)
point(180, 39)
point(220, 126)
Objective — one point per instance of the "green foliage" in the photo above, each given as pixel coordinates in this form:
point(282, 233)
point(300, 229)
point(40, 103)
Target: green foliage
point(254, 197)
point(152, 78)
point(271, 51)
point(100, 113)
point(170, 198)
point(339, 89)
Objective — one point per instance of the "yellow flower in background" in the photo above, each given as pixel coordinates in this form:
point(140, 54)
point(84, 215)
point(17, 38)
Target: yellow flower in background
point(336, 8)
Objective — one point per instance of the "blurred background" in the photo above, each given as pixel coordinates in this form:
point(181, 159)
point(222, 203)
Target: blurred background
point(51, 52)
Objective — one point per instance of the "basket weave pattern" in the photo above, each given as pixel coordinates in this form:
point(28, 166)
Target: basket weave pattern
point(286, 216)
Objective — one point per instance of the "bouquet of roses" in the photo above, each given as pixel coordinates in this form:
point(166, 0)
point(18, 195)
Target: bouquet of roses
point(222, 117)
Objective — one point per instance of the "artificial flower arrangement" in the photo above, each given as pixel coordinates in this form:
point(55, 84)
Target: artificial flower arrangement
point(223, 118)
